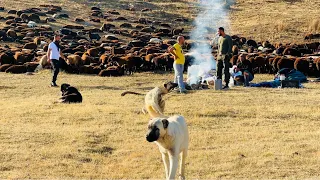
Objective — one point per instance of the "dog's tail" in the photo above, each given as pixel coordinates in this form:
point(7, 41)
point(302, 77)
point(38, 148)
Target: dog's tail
point(130, 92)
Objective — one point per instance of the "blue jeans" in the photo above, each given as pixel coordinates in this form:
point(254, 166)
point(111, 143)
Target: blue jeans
point(178, 76)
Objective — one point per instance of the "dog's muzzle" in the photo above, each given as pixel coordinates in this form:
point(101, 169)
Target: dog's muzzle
point(153, 135)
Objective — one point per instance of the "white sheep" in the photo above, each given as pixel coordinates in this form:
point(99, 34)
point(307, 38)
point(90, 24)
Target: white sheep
point(31, 24)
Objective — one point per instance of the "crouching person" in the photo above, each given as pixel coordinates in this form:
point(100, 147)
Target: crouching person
point(244, 73)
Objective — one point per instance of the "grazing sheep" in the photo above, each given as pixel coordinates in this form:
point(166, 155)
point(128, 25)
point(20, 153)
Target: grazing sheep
point(235, 50)
point(292, 52)
point(259, 64)
point(86, 69)
point(177, 31)
point(17, 69)
point(11, 33)
point(234, 60)
point(126, 25)
point(115, 51)
point(252, 43)
point(4, 67)
point(93, 52)
point(24, 17)
point(86, 59)
point(275, 64)
point(302, 65)
point(112, 71)
point(34, 17)
point(30, 45)
point(285, 63)
point(42, 63)
point(104, 58)
point(6, 58)
point(74, 60)
point(94, 36)
point(31, 24)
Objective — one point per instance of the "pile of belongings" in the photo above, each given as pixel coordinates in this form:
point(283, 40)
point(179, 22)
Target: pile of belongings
point(290, 75)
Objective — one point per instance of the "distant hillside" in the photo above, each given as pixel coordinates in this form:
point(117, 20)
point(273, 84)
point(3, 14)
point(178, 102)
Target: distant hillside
point(274, 20)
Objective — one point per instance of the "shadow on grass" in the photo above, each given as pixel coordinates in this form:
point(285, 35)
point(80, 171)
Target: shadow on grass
point(7, 87)
point(101, 87)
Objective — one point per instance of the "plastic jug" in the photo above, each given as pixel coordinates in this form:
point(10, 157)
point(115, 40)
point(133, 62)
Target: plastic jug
point(218, 84)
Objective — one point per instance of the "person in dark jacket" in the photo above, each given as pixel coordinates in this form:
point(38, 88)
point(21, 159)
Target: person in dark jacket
point(245, 67)
point(224, 55)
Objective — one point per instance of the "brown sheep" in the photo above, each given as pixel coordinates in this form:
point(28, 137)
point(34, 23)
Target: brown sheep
point(177, 31)
point(21, 58)
point(6, 59)
point(11, 33)
point(152, 50)
point(17, 69)
point(37, 41)
point(86, 59)
point(259, 64)
point(112, 71)
point(4, 67)
point(94, 52)
point(34, 17)
point(275, 64)
point(301, 65)
point(131, 63)
point(285, 63)
point(86, 69)
point(291, 52)
point(104, 58)
point(317, 62)
point(42, 63)
point(30, 45)
point(115, 51)
point(234, 60)
point(147, 30)
point(74, 60)
point(269, 64)
point(45, 48)
point(31, 66)
point(24, 17)
point(235, 50)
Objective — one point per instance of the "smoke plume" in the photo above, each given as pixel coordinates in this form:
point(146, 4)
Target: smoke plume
point(213, 14)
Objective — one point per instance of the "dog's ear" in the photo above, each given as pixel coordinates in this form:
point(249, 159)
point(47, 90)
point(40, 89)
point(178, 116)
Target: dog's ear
point(165, 85)
point(165, 123)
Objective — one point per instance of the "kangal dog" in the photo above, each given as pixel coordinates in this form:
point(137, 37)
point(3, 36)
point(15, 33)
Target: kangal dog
point(169, 133)
point(154, 103)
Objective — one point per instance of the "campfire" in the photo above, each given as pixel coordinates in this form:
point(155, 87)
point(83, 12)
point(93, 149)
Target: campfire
point(202, 73)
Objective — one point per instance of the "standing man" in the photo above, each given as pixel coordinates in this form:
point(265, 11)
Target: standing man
point(178, 65)
point(224, 55)
point(53, 56)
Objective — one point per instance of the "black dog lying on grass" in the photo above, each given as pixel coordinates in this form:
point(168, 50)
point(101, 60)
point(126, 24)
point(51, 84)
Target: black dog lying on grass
point(70, 94)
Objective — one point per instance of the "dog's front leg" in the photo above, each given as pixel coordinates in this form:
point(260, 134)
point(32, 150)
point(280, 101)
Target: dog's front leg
point(165, 159)
point(174, 158)
point(183, 156)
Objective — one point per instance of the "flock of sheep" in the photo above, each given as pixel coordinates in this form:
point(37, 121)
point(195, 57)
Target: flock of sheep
point(123, 46)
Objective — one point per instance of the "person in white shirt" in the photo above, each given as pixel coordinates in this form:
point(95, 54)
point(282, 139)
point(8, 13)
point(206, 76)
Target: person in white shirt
point(54, 53)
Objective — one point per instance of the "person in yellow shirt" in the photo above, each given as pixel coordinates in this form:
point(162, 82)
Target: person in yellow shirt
point(178, 65)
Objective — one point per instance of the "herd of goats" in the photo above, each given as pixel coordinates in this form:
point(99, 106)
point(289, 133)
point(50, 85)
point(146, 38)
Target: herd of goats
point(90, 52)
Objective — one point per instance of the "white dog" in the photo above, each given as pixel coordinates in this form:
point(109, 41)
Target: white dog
point(171, 135)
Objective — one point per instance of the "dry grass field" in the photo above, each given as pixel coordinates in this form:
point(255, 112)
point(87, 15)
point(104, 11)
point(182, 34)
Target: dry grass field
point(240, 133)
